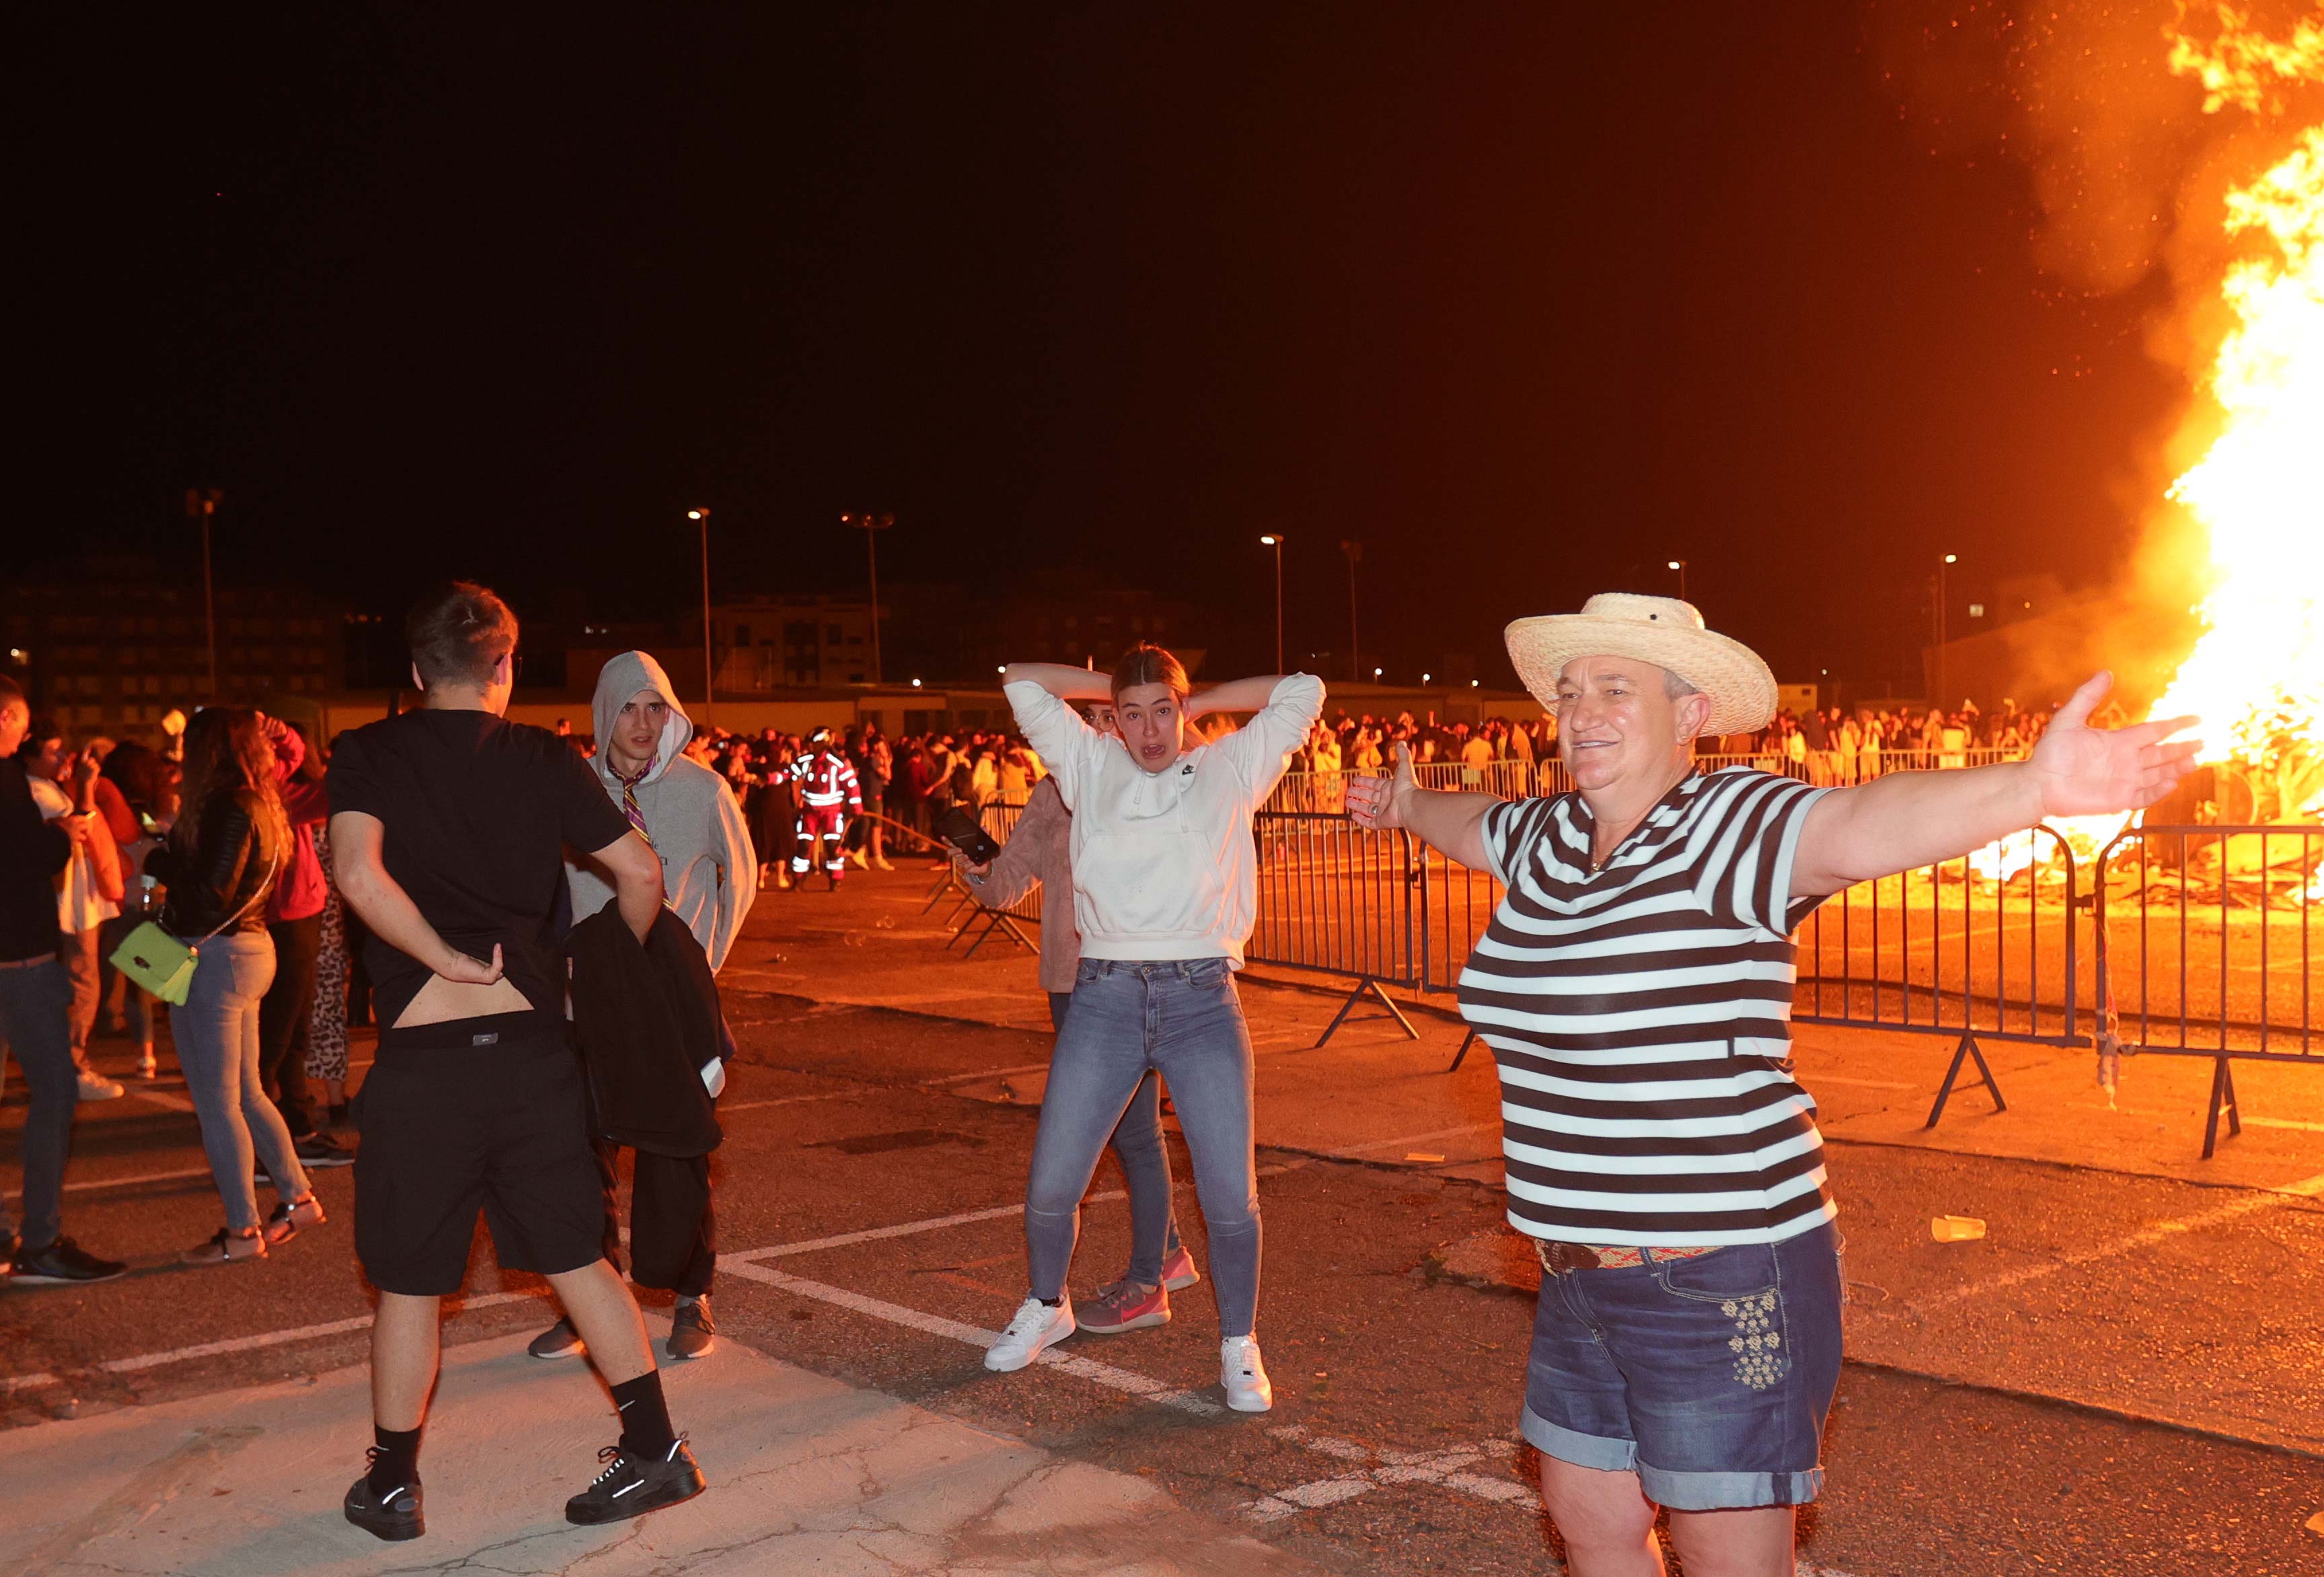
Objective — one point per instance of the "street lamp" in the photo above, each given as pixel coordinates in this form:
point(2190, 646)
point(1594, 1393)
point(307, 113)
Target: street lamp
point(872, 526)
point(1275, 539)
point(201, 504)
point(1355, 552)
point(1680, 565)
point(701, 517)
point(1949, 560)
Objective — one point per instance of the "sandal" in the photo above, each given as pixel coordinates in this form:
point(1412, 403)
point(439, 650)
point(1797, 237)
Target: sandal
point(283, 1225)
point(228, 1247)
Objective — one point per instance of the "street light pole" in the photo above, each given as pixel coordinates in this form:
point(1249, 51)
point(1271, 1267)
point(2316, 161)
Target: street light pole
point(870, 525)
point(1355, 552)
point(1275, 539)
point(701, 517)
point(202, 503)
point(1680, 565)
point(1950, 560)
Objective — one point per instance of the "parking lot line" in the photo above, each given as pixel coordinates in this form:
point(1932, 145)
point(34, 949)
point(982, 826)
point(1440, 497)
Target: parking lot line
point(2130, 1242)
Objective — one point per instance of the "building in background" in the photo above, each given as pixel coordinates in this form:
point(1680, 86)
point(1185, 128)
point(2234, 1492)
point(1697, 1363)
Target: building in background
point(115, 649)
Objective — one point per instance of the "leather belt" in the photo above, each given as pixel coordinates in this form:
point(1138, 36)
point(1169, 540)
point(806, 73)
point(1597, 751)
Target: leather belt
point(1559, 1258)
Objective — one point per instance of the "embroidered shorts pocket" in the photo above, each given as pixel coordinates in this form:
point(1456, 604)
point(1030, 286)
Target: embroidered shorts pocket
point(1745, 1284)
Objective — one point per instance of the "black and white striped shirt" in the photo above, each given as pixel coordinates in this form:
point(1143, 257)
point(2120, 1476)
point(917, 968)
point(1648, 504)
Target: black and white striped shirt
point(1641, 1016)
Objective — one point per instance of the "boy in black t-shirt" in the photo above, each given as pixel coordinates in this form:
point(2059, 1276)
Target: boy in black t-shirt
point(447, 832)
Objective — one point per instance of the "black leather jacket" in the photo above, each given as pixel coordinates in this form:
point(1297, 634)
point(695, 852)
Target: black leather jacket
point(240, 846)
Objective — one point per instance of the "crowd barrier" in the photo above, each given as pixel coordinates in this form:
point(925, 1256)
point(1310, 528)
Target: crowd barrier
point(998, 817)
point(1516, 779)
point(2204, 941)
point(2207, 947)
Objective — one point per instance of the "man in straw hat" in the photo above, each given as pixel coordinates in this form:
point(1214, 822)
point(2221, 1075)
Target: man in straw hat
point(1636, 989)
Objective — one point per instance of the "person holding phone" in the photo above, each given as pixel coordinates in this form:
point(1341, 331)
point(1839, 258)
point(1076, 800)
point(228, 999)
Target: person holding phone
point(1039, 852)
point(1166, 889)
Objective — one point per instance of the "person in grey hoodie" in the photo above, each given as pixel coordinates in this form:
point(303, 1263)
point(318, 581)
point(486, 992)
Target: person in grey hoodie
point(709, 875)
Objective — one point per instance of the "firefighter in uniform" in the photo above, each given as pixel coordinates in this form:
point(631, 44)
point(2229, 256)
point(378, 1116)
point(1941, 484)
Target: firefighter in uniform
point(829, 792)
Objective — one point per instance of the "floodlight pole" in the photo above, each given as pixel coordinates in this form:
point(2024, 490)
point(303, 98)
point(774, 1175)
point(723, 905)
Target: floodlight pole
point(701, 517)
point(870, 525)
point(1355, 552)
point(1275, 539)
point(202, 503)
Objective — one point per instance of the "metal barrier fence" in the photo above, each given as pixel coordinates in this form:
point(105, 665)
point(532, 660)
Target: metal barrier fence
point(2214, 930)
point(1513, 779)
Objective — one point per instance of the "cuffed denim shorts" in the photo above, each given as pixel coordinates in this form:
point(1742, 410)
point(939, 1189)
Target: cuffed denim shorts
point(1708, 1378)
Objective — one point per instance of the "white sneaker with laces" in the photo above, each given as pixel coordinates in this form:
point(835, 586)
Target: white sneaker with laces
point(1037, 1327)
point(1244, 1374)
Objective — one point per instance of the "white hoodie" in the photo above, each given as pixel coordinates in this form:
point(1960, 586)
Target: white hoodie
point(709, 872)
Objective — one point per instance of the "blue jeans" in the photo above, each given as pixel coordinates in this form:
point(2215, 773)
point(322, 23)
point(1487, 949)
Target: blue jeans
point(36, 1018)
point(1145, 1168)
point(1709, 1377)
point(1182, 1019)
point(216, 1034)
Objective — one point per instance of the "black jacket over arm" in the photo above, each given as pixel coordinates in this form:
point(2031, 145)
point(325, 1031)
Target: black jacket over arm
point(646, 1019)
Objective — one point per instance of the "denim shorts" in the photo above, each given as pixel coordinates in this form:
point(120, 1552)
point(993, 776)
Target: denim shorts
point(1709, 1377)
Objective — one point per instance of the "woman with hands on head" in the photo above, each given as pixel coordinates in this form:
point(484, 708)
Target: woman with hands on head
point(1164, 883)
point(1636, 989)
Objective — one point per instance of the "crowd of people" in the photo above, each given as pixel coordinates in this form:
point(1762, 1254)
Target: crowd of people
point(538, 924)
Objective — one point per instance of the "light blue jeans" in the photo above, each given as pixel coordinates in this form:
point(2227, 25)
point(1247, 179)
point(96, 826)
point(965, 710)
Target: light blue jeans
point(217, 1035)
point(1145, 1168)
point(1183, 1019)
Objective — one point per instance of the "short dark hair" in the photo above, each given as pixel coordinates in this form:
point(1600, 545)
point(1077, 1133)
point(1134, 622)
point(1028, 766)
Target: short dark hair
point(458, 632)
point(42, 729)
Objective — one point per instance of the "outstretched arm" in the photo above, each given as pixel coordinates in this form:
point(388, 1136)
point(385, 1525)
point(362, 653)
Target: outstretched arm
point(1234, 695)
point(1063, 682)
point(1453, 824)
point(1909, 819)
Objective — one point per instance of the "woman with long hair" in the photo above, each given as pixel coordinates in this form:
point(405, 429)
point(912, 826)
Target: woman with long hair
point(1166, 886)
point(231, 842)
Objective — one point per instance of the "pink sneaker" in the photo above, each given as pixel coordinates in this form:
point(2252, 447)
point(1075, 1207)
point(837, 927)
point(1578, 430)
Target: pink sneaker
point(1123, 1306)
point(1178, 1272)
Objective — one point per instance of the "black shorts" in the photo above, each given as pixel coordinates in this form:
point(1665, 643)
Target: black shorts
point(453, 1124)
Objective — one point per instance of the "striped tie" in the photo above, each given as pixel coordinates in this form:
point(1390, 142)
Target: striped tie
point(630, 802)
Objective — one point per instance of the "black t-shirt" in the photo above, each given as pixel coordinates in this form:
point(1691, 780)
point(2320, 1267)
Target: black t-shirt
point(477, 813)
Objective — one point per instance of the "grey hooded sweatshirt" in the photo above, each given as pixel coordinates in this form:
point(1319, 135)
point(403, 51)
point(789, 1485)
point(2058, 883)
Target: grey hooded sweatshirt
point(709, 872)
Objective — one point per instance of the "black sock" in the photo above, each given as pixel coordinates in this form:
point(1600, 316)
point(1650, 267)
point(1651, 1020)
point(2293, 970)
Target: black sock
point(397, 1465)
point(645, 1416)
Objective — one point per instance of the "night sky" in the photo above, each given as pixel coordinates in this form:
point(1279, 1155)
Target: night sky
point(1528, 298)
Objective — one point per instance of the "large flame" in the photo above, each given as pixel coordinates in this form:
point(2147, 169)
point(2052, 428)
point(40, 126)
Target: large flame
point(2256, 675)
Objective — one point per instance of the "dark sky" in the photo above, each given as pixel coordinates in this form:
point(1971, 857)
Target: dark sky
point(1528, 298)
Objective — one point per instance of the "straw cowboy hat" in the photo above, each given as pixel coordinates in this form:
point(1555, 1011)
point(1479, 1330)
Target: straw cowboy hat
point(1662, 631)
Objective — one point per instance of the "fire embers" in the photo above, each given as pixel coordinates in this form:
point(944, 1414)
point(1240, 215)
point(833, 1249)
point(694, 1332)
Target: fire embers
point(1760, 1359)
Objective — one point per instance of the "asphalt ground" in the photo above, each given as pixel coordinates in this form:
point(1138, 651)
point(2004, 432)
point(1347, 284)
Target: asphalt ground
point(2122, 1377)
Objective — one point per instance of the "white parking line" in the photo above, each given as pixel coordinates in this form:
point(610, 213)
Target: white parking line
point(145, 1361)
point(2160, 1231)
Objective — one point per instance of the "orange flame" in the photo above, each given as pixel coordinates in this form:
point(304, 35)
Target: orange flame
point(2256, 675)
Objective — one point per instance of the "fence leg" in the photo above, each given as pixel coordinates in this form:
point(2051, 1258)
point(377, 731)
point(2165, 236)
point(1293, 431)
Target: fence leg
point(1967, 1048)
point(1002, 923)
point(2223, 1099)
point(944, 884)
point(1462, 1056)
point(1366, 985)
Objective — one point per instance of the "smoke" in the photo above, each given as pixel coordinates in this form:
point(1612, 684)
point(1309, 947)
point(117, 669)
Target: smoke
point(2130, 162)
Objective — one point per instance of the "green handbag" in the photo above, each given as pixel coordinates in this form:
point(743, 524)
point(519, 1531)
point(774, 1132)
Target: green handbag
point(157, 962)
point(163, 966)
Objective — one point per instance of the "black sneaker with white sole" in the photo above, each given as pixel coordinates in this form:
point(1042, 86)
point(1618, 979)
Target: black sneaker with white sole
point(632, 1485)
point(394, 1515)
point(320, 1150)
point(63, 1263)
point(560, 1341)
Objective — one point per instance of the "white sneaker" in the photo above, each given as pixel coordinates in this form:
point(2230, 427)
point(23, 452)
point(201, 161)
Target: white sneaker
point(98, 1087)
point(1037, 1327)
point(1244, 1374)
